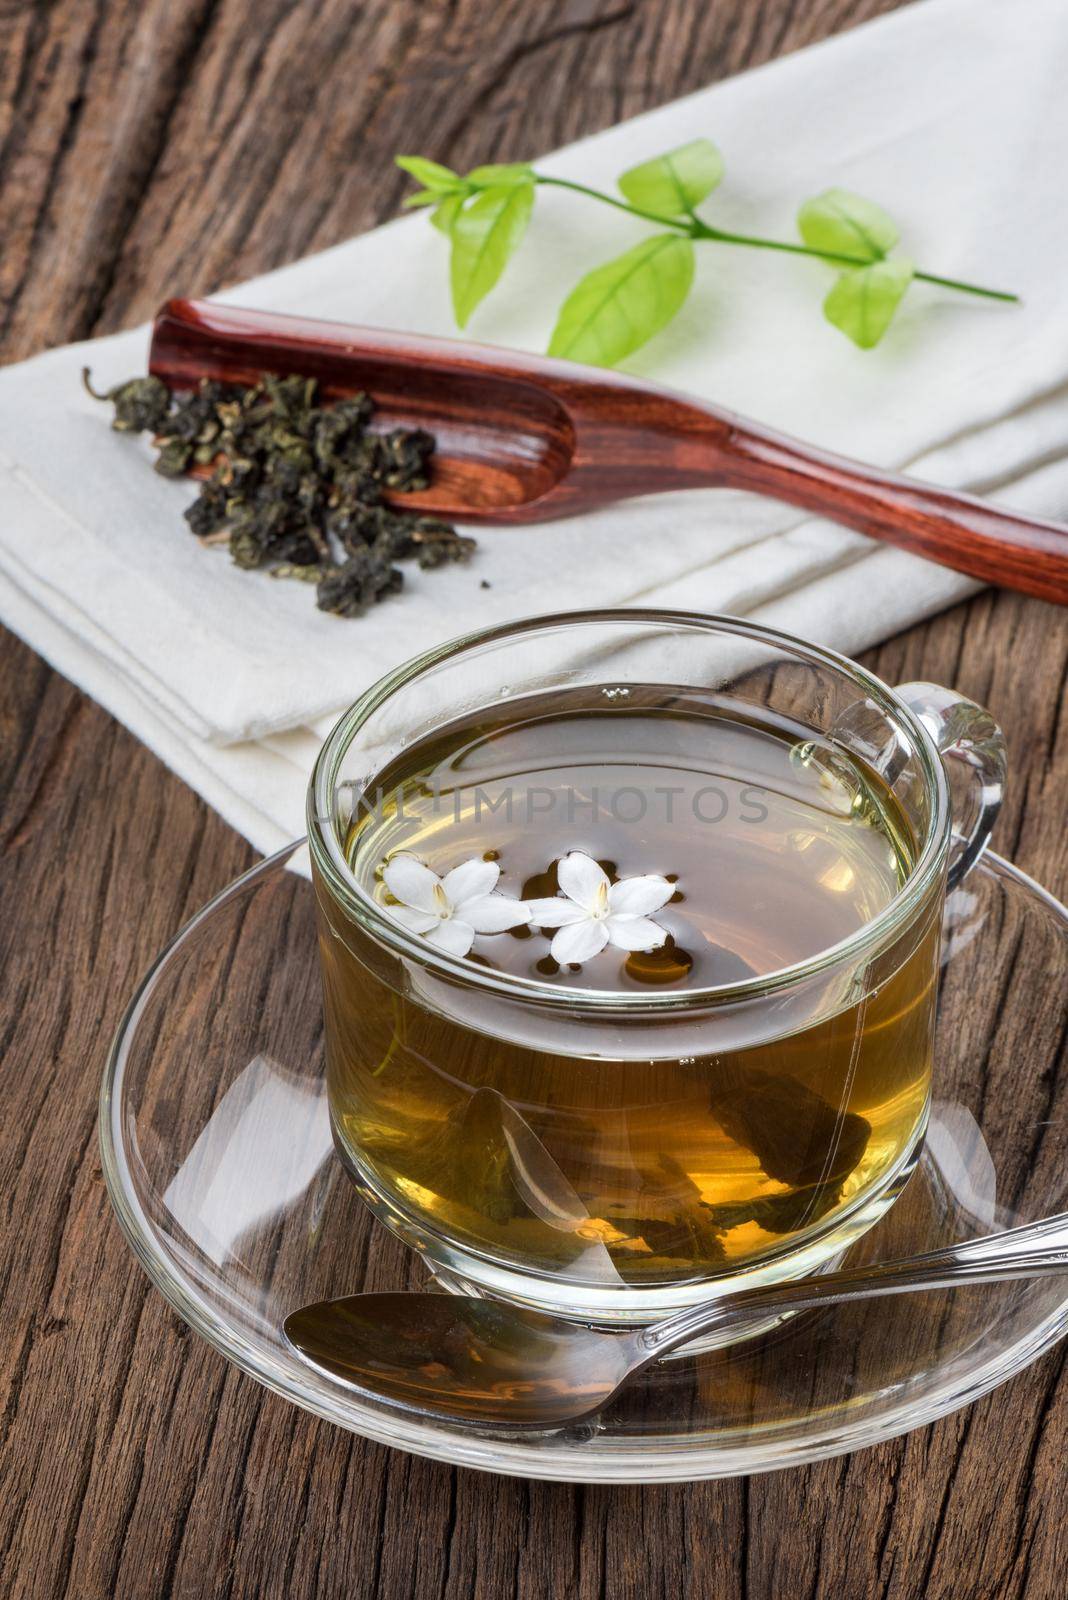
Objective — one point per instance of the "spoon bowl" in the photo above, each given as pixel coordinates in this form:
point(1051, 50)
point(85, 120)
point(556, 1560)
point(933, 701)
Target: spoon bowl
point(472, 1359)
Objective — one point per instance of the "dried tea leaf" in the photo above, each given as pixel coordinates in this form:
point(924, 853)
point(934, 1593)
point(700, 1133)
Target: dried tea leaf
point(296, 487)
point(404, 458)
point(436, 543)
point(141, 404)
point(345, 591)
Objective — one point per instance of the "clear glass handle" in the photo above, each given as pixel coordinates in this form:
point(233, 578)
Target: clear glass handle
point(972, 747)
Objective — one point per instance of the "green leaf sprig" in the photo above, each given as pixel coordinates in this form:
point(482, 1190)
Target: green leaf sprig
point(620, 305)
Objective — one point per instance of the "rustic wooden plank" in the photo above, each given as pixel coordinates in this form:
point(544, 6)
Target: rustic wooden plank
point(176, 145)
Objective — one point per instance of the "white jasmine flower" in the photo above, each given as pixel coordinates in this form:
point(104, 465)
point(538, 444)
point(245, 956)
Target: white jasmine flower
point(451, 910)
point(593, 912)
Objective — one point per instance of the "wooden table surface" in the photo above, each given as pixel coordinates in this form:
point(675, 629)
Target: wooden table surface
point(156, 146)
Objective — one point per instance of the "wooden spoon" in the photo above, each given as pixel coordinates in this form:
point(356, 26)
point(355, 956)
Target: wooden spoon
point(524, 439)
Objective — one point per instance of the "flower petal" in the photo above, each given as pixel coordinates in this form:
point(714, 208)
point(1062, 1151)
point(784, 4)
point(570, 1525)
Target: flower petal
point(555, 912)
point(412, 882)
point(494, 913)
point(470, 881)
point(636, 897)
point(414, 921)
point(453, 936)
point(634, 933)
point(582, 880)
point(579, 941)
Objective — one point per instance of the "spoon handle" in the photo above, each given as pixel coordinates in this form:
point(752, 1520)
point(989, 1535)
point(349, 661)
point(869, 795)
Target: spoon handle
point(1035, 1250)
point(958, 530)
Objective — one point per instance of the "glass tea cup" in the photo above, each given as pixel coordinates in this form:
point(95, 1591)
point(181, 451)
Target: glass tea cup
point(615, 1154)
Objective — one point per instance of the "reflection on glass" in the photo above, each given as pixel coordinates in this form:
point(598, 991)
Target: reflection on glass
point(259, 1151)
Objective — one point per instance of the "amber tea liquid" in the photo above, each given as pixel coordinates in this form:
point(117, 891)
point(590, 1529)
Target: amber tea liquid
point(610, 1163)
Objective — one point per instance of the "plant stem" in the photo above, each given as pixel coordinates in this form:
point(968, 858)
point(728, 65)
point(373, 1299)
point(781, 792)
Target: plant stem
point(968, 288)
point(703, 232)
point(756, 243)
point(620, 205)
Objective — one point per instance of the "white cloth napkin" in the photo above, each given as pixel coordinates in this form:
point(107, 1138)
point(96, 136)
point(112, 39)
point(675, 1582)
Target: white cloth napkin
point(950, 113)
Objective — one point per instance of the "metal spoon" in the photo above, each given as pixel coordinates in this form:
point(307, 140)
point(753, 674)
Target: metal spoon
point(465, 1359)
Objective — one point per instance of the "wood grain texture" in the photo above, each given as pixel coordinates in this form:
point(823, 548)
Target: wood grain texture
point(149, 147)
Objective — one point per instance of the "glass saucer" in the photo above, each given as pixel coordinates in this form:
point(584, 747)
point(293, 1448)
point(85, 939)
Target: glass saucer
point(217, 1155)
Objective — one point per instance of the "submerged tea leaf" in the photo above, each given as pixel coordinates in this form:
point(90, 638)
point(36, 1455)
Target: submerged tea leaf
point(676, 182)
point(485, 233)
point(619, 306)
point(668, 1216)
point(863, 300)
point(778, 1213)
point(798, 1137)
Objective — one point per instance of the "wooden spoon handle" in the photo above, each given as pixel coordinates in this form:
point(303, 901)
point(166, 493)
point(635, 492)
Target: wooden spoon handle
point(960, 531)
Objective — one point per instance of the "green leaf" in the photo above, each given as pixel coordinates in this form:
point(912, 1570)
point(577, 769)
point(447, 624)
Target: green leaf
point(444, 215)
point(621, 304)
point(433, 176)
point(844, 224)
point(674, 183)
point(502, 175)
point(421, 197)
point(484, 235)
point(864, 299)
